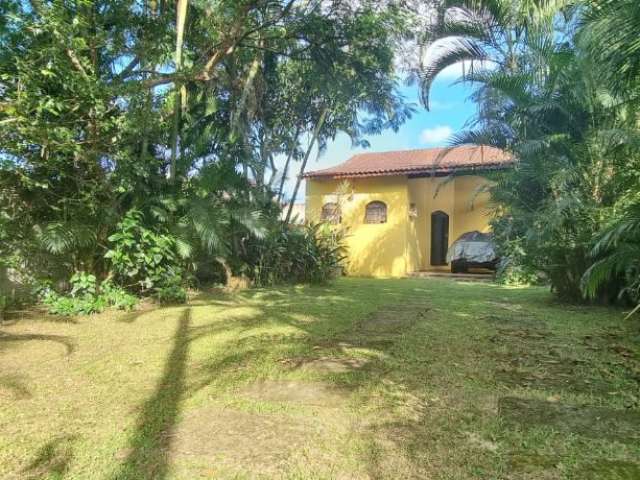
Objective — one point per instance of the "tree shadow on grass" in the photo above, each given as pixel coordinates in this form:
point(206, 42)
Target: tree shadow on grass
point(5, 338)
point(148, 453)
point(324, 319)
point(52, 460)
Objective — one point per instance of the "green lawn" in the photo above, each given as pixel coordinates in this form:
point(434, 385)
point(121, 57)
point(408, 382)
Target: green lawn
point(362, 379)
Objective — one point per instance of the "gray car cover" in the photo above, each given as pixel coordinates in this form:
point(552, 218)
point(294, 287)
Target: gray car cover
point(473, 247)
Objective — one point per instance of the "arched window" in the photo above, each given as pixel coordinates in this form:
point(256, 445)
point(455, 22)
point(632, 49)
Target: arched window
point(330, 213)
point(376, 212)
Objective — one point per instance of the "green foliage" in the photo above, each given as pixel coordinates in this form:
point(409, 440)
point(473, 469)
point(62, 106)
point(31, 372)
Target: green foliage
point(571, 128)
point(514, 268)
point(610, 35)
point(83, 283)
point(171, 293)
point(5, 302)
point(117, 297)
point(85, 298)
point(617, 255)
point(141, 258)
point(309, 254)
point(99, 120)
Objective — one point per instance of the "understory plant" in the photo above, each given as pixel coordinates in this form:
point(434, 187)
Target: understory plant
point(535, 70)
point(314, 253)
point(617, 259)
point(146, 261)
point(86, 297)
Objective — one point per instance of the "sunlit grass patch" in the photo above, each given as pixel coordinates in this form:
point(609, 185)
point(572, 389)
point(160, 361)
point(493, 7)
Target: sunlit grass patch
point(361, 379)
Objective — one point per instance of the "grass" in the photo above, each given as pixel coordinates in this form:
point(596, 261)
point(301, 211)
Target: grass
point(361, 379)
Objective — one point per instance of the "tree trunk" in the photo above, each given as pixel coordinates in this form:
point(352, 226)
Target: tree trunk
point(248, 85)
point(285, 170)
point(314, 137)
point(179, 96)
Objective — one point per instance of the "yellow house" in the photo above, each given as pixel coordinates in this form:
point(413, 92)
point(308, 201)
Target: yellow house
point(402, 210)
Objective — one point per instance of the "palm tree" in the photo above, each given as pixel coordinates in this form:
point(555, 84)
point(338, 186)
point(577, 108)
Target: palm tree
point(481, 35)
point(573, 142)
point(618, 253)
point(610, 35)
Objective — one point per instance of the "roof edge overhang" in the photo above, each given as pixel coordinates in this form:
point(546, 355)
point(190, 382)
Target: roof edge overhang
point(412, 172)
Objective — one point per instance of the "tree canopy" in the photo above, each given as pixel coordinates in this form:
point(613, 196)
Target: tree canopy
point(557, 86)
point(176, 110)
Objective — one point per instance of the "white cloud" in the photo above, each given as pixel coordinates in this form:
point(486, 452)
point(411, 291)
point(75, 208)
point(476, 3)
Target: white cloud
point(435, 135)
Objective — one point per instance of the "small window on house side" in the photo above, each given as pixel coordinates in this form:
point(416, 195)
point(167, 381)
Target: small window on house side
point(376, 212)
point(330, 213)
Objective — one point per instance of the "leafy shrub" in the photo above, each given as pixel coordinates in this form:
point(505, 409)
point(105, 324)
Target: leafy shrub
point(86, 299)
point(67, 305)
point(616, 270)
point(83, 284)
point(290, 254)
point(143, 259)
point(171, 294)
point(117, 297)
point(514, 267)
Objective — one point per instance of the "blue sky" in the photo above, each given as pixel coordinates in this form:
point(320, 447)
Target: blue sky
point(450, 109)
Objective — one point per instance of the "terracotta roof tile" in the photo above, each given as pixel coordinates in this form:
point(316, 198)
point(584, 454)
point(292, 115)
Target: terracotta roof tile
point(409, 162)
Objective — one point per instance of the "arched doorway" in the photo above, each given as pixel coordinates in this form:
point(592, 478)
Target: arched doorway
point(439, 238)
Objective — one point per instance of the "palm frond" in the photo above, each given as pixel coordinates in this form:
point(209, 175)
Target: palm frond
point(62, 237)
point(607, 268)
point(445, 53)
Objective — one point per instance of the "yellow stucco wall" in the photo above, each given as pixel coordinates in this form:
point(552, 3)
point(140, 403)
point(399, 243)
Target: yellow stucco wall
point(402, 245)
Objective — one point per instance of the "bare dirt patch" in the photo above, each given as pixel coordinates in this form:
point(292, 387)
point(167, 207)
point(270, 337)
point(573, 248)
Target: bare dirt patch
point(392, 319)
point(303, 393)
point(328, 364)
point(231, 440)
point(593, 422)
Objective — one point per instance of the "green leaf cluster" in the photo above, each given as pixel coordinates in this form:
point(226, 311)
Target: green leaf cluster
point(557, 87)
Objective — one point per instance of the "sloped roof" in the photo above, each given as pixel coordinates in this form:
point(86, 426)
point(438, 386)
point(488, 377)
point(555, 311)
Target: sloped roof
point(415, 162)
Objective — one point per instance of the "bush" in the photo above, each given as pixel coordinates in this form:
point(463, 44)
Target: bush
point(514, 267)
point(145, 260)
point(117, 297)
point(69, 306)
point(86, 299)
point(291, 254)
point(83, 284)
point(171, 294)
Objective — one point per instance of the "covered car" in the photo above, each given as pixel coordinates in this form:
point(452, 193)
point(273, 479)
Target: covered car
point(472, 250)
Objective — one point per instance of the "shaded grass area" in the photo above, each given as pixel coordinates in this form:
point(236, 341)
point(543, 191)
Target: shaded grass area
point(416, 378)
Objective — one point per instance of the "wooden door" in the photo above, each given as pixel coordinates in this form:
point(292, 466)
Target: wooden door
point(439, 238)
